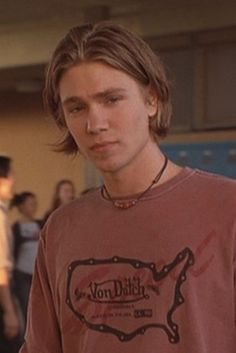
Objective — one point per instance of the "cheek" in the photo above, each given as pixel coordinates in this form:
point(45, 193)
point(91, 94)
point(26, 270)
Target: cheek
point(34, 208)
point(140, 118)
point(22, 208)
point(77, 130)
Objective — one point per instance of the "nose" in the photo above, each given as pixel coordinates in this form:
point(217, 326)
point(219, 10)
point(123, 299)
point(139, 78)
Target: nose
point(96, 121)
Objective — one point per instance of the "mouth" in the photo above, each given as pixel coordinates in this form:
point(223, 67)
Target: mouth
point(102, 146)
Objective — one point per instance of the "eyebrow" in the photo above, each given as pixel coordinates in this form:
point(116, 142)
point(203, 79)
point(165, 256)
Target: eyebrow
point(98, 95)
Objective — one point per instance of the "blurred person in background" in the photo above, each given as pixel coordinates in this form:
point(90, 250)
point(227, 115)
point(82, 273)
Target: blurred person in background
point(25, 244)
point(64, 193)
point(9, 320)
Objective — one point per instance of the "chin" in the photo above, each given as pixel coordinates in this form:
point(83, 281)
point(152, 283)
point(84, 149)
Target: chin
point(109, 167)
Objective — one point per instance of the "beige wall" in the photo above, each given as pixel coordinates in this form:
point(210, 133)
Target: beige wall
point(25, 134)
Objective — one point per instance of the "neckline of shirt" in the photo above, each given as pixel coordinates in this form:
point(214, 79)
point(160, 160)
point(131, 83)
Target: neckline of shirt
point(158, 190)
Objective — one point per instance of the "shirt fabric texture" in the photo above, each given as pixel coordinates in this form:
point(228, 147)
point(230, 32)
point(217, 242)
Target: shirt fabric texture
point(158, 277)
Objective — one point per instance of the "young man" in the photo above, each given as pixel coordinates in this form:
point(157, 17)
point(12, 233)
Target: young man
point(146, 263)
point(9, 322)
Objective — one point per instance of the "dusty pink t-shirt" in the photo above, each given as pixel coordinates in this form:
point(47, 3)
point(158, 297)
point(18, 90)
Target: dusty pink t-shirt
point(158, 277)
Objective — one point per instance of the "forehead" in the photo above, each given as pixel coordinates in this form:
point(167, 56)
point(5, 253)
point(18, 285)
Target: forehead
point(93, 77)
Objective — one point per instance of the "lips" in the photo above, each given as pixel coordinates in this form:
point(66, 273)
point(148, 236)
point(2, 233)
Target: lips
point(102, 146)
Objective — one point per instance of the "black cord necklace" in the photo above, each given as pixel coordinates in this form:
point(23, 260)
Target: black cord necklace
point(125, 204)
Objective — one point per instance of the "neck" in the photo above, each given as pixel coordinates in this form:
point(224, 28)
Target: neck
point(25, 219)
point(136, 177)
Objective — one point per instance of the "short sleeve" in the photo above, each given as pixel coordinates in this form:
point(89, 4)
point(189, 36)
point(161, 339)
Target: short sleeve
point(43, 332)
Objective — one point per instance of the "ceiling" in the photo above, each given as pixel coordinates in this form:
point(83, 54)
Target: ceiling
point(18, 13)
point(15, 13)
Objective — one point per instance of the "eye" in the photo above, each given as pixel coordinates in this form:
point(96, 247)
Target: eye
point(112, 99)
point(76, 109)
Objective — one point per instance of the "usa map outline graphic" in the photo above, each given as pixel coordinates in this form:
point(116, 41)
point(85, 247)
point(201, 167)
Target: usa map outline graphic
point(185, 257)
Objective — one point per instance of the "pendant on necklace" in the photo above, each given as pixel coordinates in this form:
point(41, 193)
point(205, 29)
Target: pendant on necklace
point(124, 205)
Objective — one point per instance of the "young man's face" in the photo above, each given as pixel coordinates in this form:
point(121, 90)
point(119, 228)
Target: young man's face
point(6, 188)
point(107, 113)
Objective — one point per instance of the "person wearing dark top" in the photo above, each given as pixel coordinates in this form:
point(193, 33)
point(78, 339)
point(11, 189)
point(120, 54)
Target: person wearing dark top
point(25, 244)
point(9, 319)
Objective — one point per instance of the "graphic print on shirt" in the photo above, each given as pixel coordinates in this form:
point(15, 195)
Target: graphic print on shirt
point(126, 297)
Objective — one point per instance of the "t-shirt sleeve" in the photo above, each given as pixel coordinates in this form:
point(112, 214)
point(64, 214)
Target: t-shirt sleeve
point(5, 243)
point(43, 332)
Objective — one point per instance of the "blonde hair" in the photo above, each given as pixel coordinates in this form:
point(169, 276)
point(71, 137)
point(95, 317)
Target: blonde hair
point(118, 47)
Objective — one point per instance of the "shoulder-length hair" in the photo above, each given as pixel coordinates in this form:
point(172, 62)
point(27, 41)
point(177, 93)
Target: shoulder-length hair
point(119, 48)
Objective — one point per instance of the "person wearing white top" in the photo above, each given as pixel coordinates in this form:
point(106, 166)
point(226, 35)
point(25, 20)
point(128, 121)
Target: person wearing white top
point(9, 321)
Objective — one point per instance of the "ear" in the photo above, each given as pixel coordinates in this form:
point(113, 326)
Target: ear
point(151, 102)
